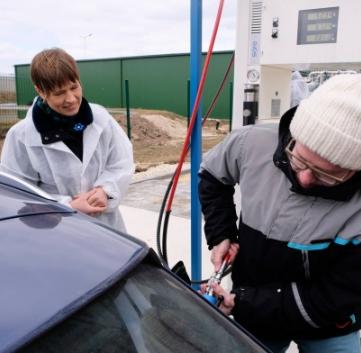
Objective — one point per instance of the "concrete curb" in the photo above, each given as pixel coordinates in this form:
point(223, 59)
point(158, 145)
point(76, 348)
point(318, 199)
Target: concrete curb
point(161, 176)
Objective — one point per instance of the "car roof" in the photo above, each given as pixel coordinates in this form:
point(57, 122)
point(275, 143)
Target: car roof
point(53, 261)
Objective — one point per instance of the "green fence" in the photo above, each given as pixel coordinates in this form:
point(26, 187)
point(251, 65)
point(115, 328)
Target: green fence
point(155, 82)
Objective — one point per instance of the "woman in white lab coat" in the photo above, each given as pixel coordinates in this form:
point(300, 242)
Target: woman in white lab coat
point(72, 149)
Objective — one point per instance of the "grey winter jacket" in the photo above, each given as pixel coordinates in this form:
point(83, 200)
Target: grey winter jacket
point(298, 270)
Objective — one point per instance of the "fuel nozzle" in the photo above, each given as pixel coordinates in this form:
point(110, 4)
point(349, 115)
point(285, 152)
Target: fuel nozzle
point(215, 278)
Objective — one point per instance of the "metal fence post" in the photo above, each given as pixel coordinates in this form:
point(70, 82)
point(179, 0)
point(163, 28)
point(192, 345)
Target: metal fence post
point(129, 128)
point(230, 105)
point(188, 102)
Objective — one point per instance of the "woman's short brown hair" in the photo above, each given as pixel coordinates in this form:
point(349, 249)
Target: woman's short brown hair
point(53, 68)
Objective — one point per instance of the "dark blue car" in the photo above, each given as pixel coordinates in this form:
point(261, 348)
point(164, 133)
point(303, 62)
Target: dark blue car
point(70, 284)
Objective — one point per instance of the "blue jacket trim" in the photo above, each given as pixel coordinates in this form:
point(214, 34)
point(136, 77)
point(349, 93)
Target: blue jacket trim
point(341, 241)
point(318, 246)
point(324, 245)
point(356, 241)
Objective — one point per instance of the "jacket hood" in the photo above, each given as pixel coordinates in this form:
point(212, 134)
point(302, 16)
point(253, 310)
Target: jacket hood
point(341, 192)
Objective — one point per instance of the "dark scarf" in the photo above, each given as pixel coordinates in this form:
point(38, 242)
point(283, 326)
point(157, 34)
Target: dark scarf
point(341, 192)
point(54, 127)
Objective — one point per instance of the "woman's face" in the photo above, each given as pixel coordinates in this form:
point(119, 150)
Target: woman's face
point(64, 100)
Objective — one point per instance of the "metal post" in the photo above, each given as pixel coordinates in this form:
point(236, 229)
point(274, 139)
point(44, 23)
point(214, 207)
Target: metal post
point(129, 128)
point(196, 139)
point(230, 105)
point(188, 102)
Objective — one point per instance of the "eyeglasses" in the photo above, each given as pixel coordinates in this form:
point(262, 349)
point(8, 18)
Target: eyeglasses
point(298, 164)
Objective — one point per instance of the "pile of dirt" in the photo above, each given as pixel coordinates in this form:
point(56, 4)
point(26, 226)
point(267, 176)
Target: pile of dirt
point(144, 131)
point(174, 128)
point(158, 136)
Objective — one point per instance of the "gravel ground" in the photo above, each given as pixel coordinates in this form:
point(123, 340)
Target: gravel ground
point(159, 171)
point(148, 188)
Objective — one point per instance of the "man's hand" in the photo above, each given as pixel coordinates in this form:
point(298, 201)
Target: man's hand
point(225, 299)
point(219, 252)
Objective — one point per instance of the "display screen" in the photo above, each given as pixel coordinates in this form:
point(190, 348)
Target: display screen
point(319, 38)
point(317, 26)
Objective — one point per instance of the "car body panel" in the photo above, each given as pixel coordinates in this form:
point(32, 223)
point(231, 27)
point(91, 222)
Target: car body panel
point(24, 204)
point(19, 184)
point(57, 270)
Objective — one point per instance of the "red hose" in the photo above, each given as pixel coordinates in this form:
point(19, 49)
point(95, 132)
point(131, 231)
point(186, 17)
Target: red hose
point(195, 107)
point(220, 89)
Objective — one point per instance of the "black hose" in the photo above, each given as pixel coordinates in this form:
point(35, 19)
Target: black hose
point(160, 218)
point(165, 232)
point(162, 248)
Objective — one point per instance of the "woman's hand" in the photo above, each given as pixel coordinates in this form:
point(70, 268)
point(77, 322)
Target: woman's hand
point(81, 204)
point(92, 202)
point(97, 197)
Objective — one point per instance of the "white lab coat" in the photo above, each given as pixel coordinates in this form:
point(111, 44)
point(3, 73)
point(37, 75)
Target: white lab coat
point(107, 162)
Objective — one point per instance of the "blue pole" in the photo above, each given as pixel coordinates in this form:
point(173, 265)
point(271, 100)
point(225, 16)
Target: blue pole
point(196, 139)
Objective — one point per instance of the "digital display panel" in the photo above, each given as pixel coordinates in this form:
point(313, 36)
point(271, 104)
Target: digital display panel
point(314, 27)
point(317, 26)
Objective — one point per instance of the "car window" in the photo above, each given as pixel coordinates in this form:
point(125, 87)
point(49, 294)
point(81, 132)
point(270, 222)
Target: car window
point(149, 311)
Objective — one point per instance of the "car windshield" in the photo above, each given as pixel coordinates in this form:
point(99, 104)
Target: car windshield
point(149, 311)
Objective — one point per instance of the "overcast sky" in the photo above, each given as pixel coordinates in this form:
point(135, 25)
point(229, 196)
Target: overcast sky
point(90, 29)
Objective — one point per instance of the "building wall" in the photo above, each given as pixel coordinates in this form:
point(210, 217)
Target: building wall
point(7, 89)
point(102, 82)
point(155, 82)
point(25, 91)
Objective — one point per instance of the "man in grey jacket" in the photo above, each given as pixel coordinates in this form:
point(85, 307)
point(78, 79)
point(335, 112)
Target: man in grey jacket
point(297, 269)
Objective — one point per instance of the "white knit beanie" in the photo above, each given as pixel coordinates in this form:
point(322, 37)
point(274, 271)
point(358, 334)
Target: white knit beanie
point(329, 121)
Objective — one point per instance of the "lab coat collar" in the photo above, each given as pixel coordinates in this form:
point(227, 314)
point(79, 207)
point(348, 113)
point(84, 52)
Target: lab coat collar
point(54, 127)
point(90, 138)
